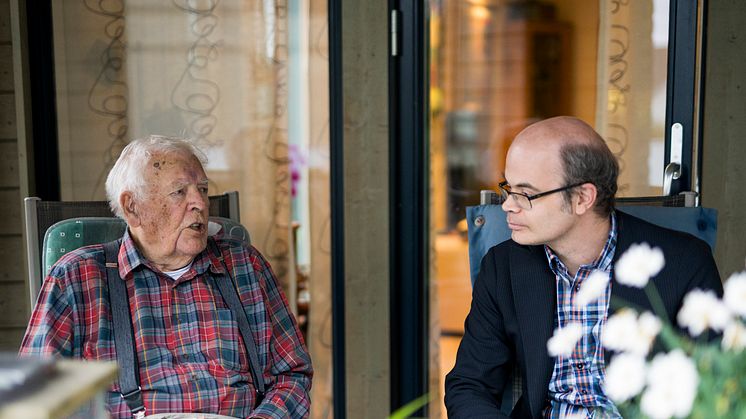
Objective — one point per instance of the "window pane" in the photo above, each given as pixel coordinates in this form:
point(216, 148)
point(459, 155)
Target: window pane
point(497, 66)
point(247, 81)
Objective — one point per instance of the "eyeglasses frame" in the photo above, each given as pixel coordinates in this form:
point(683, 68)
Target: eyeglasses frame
point(530, 198)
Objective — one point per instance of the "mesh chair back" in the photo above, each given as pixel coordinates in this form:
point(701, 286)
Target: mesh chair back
point(225, 206)
point(684, 199)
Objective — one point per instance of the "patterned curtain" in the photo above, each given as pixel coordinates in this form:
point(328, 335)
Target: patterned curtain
point(630, 103)
point(215, 72)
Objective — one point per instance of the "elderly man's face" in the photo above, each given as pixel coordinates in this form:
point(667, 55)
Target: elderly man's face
point(171, 222)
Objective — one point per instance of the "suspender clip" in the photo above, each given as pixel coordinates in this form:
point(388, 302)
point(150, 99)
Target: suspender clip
point(134, 402)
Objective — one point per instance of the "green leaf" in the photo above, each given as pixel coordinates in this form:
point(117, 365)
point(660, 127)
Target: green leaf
point(408, 409)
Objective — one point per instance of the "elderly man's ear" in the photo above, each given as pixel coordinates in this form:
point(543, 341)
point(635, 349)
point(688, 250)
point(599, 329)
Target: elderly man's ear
point(585, 198)
point(130, 209)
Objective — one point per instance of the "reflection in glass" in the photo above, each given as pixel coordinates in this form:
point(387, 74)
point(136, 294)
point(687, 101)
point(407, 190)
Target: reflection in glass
point(236, 77)
point(497, 66)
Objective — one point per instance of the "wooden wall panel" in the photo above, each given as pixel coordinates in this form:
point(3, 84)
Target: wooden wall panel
point(10, 338)
point(10, 212)
point(11, 258)
point(8, 116)
point(13, 310)
point(724, 148)
point(5, 21)
point(6, 68)
point(9, 164)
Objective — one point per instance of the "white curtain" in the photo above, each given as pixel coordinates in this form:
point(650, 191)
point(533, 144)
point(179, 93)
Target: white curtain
point(215, 72)
point(631, 104)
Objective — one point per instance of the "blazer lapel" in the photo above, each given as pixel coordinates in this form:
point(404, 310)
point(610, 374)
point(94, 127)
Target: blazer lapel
point(534, 294)
point(622, 295)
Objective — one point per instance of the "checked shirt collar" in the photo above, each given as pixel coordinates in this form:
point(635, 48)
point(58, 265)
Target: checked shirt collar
point(130, 259)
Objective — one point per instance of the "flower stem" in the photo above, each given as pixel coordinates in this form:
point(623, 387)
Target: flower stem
point(656, 302)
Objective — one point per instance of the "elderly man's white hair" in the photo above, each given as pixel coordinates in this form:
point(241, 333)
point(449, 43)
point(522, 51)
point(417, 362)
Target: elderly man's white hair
point(128, 173)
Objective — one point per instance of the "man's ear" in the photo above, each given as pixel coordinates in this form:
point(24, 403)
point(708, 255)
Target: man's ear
point(130, 209)
point(585, 198)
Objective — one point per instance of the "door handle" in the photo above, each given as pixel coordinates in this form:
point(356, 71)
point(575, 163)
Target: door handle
point(673, 168)
point(672, 172)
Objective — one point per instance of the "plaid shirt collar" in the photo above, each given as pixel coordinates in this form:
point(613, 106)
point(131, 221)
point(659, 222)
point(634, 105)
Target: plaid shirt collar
point(130, 259)
point(602, 263)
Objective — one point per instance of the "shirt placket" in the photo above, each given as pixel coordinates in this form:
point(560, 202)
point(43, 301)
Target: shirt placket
point(575, 315)
point(185, 336)
point(567, 316)
point(583, 316)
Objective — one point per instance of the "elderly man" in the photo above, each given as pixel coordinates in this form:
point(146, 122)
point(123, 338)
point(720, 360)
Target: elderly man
point(560, 184)
point(190, 349)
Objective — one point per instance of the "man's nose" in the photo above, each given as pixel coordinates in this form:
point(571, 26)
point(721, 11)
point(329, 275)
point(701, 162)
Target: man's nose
point(509, 204)
point(197, 200)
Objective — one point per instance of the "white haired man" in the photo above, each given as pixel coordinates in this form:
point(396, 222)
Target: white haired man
point(194, 354)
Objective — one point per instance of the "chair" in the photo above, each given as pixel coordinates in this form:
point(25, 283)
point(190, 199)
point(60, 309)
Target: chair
point(488, 227)
point(54, 228)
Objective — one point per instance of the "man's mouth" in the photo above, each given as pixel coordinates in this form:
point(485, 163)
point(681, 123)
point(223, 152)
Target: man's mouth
point(198, 227)
point(514, 226)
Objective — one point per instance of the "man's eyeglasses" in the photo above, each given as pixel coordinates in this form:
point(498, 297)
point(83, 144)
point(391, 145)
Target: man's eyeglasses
point(524, 200)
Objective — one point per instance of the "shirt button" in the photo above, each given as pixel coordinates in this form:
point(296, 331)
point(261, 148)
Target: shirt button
point(577, 287)
point(580, 366)
point(583, 392)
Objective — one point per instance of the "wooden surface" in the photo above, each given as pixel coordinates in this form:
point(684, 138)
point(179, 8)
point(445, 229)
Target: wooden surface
point(74, 384)
point(13, 296)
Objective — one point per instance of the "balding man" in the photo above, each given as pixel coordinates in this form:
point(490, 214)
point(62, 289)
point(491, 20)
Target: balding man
point(213, 336)
point(560, 182)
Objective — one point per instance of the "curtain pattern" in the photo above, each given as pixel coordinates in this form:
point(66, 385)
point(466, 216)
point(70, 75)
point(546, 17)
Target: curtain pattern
point(214, 72)
point(625, 114)
point(217, 73)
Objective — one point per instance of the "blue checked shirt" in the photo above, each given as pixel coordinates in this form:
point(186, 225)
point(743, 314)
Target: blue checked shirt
point(576, 385)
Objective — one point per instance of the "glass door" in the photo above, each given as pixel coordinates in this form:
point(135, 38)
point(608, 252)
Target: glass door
point(248, 83)
point(496, 66)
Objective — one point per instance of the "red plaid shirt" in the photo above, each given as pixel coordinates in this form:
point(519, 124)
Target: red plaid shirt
point(191, 355)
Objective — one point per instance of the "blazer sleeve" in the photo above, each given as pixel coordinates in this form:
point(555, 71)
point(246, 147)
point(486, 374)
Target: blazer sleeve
point(484, 358)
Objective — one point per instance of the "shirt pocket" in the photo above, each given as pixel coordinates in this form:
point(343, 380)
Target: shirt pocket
point(225, 347)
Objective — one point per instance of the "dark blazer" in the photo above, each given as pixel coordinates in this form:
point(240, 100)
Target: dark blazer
point(513, 307)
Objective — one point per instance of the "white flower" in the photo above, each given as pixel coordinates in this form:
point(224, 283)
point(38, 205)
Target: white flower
point(638, 264)
point(735, 293)
point(672, 386)
point(620, 330)
point(734, 337)
point(564, 339)
point(649, 326)
point(624, 332)
point(625, 377)
point(702, 309)
point(592, 288)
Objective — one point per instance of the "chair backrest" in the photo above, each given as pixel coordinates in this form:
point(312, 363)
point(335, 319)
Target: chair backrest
point(42, 215)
